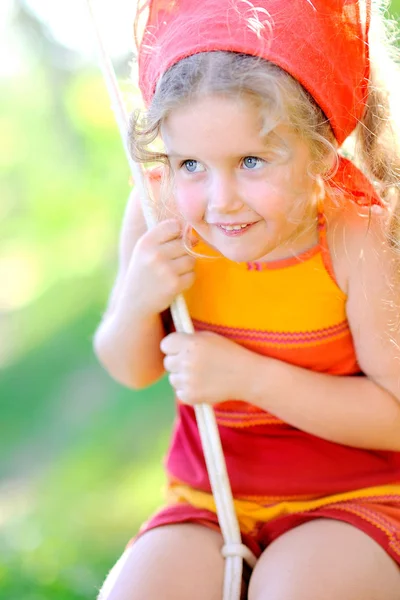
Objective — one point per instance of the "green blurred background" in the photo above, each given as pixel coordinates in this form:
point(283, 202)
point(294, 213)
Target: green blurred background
point(80, 456)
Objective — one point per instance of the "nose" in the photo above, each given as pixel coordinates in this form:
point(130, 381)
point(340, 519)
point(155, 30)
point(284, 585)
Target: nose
point(224, 195)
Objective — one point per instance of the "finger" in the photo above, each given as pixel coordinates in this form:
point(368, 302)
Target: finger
point(187, 280)
point(172, 343)
point(184, 264)
point(183, 396)
point(167, 230)
point(171, 364)
point(175, 249)
point(174, 381)
point(178, 388)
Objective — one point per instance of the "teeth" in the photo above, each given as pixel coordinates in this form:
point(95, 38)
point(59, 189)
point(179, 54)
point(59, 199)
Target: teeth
point(233, 227)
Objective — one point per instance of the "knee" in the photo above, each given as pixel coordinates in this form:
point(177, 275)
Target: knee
point(115, 586)
point(271, 589)
point(172, 562)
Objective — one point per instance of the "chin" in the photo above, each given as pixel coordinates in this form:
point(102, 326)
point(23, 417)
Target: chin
point(242, 254)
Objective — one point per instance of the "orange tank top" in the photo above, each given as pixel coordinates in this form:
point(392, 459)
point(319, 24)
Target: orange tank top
point(290, 309)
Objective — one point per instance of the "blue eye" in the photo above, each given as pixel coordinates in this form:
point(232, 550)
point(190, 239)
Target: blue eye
point(252, 162)
point(192, 166)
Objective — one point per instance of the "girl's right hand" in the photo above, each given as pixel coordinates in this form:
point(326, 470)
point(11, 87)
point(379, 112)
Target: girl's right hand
point(159, 269)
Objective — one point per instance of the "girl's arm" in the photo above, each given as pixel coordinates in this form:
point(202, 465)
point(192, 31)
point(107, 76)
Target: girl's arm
point(357, 411)
point(127, 340)
point(154, 268)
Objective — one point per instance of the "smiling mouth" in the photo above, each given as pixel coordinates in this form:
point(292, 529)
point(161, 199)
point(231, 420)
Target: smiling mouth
point(235, 230)
point(234, 227)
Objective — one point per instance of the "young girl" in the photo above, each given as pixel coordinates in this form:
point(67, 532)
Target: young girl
point(287, 256)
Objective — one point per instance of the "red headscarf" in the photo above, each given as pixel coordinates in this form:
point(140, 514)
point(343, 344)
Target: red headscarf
point(321, 43)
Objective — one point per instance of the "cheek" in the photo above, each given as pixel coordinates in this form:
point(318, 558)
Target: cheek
point(264, 197)
point(190, 202)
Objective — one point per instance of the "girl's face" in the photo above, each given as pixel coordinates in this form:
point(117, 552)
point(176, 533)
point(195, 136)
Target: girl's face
point(249, 197)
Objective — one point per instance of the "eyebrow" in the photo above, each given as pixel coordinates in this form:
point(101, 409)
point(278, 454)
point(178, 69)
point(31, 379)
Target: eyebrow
point(175, 155)
point(259, 152)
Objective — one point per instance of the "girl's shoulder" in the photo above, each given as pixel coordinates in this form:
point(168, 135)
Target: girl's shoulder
point(368, 265)
point(354, 233)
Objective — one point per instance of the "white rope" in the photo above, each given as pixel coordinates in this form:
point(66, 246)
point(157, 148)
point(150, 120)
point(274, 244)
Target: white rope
point(233, 550)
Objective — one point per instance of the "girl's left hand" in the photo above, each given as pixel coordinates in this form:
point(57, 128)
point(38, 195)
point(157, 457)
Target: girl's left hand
point(206, 367)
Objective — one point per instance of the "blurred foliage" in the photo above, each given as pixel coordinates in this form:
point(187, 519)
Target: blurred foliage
point(79, 455)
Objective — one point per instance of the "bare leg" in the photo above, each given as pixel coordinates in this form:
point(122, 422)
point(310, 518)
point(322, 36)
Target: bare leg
point(173, 562)
point(325, 560)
